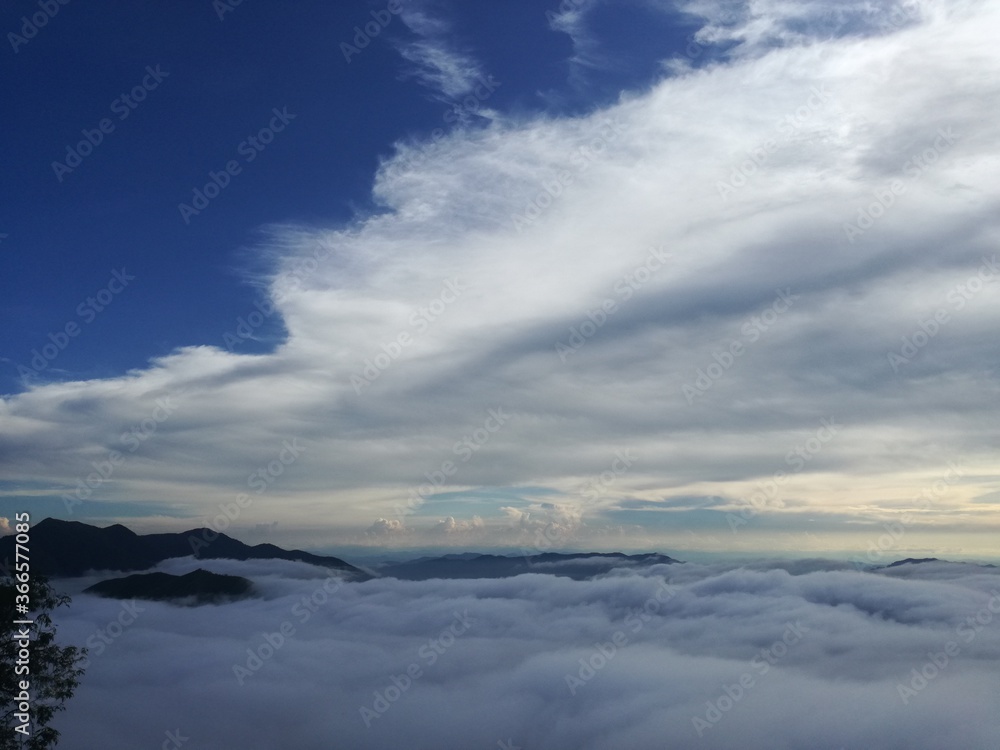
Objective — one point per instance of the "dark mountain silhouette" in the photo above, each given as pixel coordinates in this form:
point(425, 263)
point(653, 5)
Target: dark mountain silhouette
point(199, 585)
point(912, 561)
point(71, 548)
point(579, 566)
point(919, 560)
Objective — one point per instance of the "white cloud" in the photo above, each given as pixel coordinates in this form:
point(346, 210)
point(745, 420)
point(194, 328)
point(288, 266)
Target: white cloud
point(450, 526)
point(572, 20)
point(821, 652)
point(761, 25)
point(386, 526)
point(813, 132)
point(437, 62)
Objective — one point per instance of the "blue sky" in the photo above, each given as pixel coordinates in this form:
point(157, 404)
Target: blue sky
point(223, 77)
point(693, 231)
point(119, 208)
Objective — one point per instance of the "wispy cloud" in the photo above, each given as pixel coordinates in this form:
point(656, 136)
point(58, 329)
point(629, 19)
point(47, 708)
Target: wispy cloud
point(572, 19)
point(761, 25)
point(437, 62)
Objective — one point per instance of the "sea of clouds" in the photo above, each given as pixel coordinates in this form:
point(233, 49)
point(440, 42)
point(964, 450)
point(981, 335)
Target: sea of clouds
point(768, 655)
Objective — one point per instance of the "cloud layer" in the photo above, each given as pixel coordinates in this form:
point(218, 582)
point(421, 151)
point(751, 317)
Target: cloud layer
point(700, 274)
point(804, 654)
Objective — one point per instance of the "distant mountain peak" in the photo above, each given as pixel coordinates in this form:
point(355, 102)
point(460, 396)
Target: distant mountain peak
point(912, 561)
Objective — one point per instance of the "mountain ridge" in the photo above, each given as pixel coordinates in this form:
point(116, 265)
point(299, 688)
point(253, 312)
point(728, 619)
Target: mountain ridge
point(576, 565)
point(71, 548)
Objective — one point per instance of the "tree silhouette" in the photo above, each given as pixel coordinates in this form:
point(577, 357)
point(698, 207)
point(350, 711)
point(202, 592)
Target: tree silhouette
point(54, 670)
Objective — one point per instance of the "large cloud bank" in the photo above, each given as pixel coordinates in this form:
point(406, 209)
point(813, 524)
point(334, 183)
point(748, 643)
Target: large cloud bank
point(765, 657)
point(705, 274)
